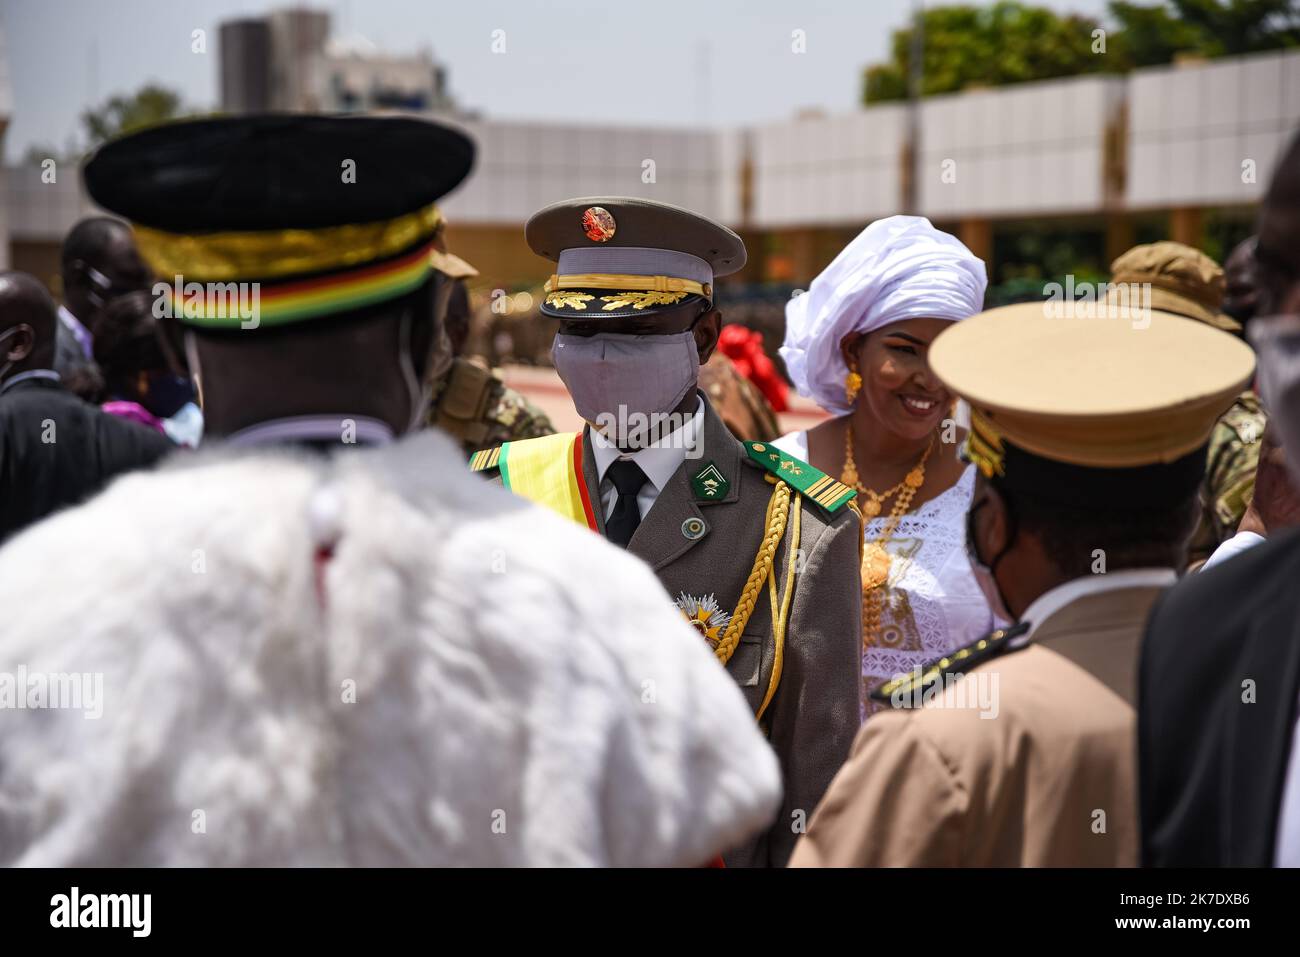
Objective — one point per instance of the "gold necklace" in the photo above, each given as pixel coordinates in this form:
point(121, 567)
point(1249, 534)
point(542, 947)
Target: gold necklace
point(875, 559)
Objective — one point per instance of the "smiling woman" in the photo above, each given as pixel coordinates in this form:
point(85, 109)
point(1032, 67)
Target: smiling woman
point(857, 343)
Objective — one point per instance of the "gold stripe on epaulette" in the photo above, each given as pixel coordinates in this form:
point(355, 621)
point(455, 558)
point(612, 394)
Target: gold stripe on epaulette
point(812, 490)
point(923, 675)
point(828, 496)
point(485, 459)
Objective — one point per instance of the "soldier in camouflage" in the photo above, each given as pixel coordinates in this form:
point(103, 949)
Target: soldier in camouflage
point(471, 402)
point(1229, 481)
point(1184, 280)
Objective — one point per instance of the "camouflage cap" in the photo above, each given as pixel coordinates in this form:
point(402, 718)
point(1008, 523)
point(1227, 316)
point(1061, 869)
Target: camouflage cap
point(1183, 280)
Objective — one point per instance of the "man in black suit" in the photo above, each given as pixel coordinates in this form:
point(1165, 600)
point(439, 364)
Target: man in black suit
point(55, 449)
point(1219, 685)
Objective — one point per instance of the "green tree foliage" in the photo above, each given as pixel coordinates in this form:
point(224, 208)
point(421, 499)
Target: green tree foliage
point(148, 106)
point(1007, 42)
point(1011, 42)
point(1151, 35)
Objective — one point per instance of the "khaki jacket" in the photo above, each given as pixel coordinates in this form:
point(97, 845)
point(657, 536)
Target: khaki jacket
point(1048, 780)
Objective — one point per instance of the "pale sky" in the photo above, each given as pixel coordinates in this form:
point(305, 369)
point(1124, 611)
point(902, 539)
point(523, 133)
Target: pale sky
point(659, 62)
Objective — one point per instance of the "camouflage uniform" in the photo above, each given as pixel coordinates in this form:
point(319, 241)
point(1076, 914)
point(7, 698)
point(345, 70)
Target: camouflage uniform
point(1185, 281)
point(1229, 479)
point(743, 407)
point(475, 406)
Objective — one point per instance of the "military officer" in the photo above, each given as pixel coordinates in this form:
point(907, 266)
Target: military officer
point(1189, 283)
point(1020, 749)
point(299, 630)
point(758, 549)
point(471, 402)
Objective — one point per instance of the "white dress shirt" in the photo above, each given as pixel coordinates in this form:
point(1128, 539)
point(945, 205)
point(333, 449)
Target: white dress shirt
point(658, 461)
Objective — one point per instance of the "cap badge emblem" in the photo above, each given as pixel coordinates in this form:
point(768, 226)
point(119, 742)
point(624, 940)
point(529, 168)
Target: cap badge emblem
point(598, 224)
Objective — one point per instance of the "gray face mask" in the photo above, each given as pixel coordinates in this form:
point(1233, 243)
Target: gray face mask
point(618, 377)
point(1277, 359)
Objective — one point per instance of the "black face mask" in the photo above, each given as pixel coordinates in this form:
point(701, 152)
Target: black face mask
point(984, 574)
point(167, 394)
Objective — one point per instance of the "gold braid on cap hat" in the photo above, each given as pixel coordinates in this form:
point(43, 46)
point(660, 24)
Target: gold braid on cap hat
point(984, 446)
point(278, 253)
point(640, 291)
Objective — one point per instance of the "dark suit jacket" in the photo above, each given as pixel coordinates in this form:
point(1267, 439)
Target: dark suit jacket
point(56, 450)
point(1212, 765)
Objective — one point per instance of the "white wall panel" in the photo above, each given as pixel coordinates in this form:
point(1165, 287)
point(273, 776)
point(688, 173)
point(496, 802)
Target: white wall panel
point(839, 170)
point(1032, 148)
point(1202, 121)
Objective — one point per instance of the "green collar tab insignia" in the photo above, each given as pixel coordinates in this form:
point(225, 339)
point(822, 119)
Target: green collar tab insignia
point(802, 477)
point(709, 484)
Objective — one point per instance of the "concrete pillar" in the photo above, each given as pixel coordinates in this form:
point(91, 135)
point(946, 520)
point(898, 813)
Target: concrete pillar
point(977, 234)
point(1186, 226)
point(802, 246)
point(1120, 236)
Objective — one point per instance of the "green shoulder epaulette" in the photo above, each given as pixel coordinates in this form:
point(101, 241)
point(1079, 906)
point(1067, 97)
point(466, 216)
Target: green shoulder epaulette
point(808, 481)
point(486, 459)
point(908, 690)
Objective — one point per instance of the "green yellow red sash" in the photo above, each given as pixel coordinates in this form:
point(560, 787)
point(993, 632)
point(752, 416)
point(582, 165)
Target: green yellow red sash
point(546, 470)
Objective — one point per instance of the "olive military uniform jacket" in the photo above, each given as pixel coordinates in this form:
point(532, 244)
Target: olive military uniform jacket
point(742, 406)
point(1047, 779)
point(477, 409)
point(699, 548)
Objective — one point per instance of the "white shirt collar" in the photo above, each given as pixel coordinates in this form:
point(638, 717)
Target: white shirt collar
point(313, 428)
point(1053, 600)
point(660, 460)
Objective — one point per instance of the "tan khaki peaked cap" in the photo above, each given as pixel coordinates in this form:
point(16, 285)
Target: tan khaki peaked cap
point(1183, 280)
point(1138, 388)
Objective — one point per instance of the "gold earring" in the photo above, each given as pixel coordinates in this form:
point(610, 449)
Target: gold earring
point(852, 384)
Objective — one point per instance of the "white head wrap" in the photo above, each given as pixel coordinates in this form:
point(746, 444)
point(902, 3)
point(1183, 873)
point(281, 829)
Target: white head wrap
point(896, 268)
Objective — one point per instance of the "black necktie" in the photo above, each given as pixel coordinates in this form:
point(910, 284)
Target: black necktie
point(622, 522)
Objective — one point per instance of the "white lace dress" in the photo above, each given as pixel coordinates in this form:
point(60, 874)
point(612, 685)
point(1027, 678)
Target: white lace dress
point(933, 604)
